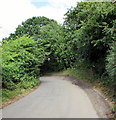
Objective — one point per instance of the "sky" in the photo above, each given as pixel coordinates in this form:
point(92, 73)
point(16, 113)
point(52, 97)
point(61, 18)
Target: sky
point(14, 12)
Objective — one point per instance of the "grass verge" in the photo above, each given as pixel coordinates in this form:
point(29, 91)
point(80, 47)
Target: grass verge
point(22, 89)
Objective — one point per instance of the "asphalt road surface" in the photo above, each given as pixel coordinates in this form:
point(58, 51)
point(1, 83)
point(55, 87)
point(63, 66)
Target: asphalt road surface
point(56, 97)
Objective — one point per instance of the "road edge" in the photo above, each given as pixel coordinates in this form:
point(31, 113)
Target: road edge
point(99, 102)
point(19, 97)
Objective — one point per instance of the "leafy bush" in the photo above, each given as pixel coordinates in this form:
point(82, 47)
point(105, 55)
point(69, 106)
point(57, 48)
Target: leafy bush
point(21, 61)
point(26, 84)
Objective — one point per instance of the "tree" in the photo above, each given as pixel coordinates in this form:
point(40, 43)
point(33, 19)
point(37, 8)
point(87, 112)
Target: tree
point(31, 26)
point(92, 27)
point(52, 39)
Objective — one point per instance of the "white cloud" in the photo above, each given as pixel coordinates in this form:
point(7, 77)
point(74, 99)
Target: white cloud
point(66, 3)
point(13, 12)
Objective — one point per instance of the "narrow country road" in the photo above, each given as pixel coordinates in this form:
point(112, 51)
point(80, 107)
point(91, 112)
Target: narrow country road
point(56, 97)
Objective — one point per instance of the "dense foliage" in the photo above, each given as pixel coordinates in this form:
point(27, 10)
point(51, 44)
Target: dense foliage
point(21, 61)
point(52, 39)
point(91, 29)
point(85, 40)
